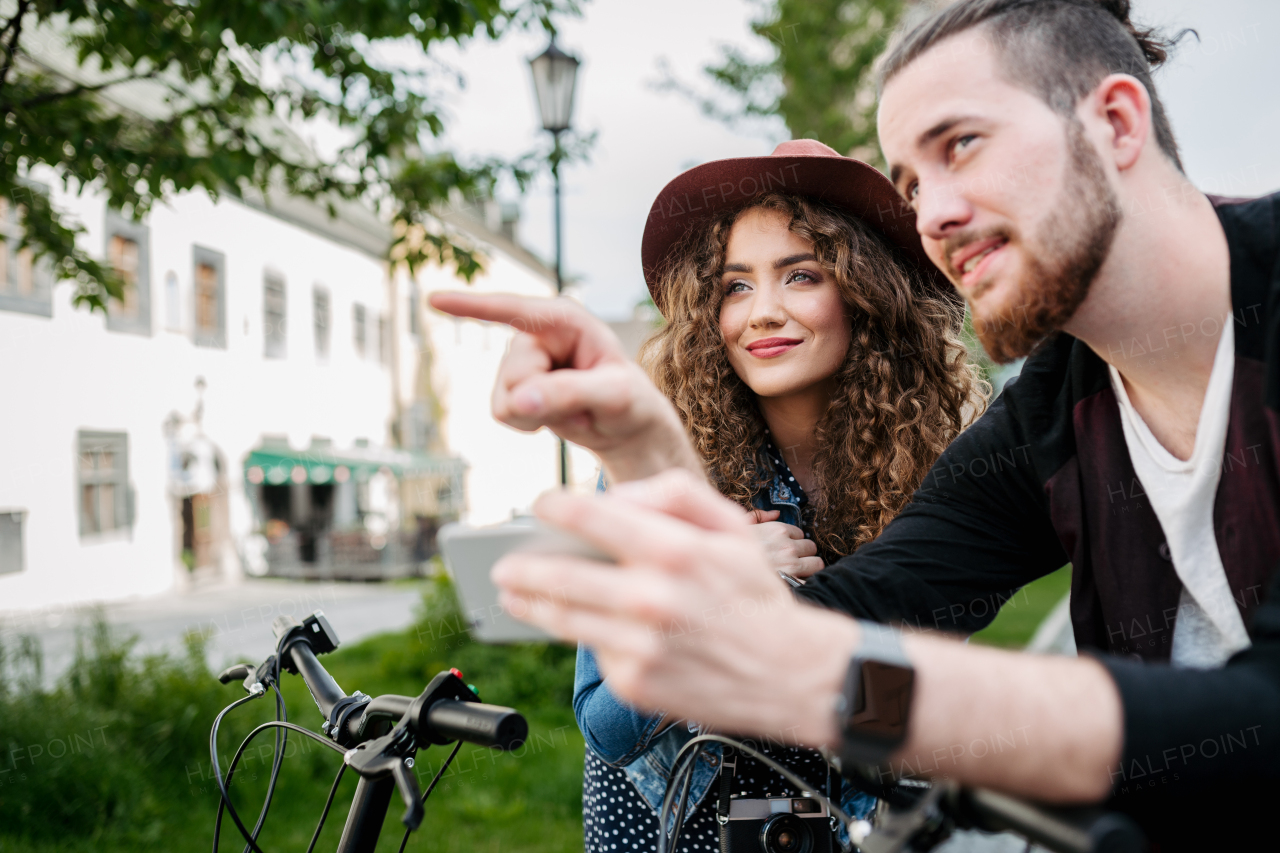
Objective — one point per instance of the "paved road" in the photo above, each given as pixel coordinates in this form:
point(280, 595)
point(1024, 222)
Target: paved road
point(236, 619)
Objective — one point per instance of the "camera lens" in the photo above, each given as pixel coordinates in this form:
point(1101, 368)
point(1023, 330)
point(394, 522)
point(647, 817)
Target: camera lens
point(785, 833)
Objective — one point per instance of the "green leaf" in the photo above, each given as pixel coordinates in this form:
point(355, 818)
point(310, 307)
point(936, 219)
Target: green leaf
point(222, 79)
point(819, 74)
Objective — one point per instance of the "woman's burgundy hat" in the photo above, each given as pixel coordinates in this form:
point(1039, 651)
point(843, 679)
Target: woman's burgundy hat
point(803, 167)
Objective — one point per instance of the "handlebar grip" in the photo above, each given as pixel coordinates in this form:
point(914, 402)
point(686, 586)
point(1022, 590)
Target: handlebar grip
point(475, 722)
point(1077, 830)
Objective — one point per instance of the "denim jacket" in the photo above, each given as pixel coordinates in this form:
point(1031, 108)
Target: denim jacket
point(624, 737)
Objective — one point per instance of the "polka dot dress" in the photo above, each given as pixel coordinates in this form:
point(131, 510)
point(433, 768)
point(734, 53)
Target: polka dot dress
point(616, 818)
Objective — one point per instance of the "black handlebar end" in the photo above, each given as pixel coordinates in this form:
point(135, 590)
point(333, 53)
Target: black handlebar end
point(1113, 832)
point(449, 710)
point(474, 722)
point(1077, 829)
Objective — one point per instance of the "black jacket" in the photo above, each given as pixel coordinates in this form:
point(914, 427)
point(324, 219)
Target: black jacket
point(1044, 478)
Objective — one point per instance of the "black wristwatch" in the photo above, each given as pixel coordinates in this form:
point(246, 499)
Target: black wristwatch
point(873, 708)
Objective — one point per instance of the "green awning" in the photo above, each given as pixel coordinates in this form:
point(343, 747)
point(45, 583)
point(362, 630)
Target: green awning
point(277, 465)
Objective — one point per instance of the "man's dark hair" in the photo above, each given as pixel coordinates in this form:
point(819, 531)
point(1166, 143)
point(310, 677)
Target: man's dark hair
point(1058, 49)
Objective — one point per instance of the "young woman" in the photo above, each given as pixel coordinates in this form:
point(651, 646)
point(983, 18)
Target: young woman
point(818, 368)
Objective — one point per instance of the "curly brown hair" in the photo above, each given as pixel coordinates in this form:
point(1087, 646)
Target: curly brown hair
point(905, 390)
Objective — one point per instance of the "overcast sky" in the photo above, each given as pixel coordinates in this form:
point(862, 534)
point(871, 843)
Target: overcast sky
point(1220, 92)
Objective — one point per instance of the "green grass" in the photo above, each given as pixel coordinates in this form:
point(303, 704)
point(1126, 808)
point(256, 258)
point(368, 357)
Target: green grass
point(1018, 619)
point(139, 776)
point(115, 757)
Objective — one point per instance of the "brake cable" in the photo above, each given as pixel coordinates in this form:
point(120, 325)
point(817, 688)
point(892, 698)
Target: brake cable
point(225, 800)
point(272, 679)
point(327, 803)
point(282, 741)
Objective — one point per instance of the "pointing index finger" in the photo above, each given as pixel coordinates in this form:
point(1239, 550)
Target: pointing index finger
point(562, 326)
point(521, 312)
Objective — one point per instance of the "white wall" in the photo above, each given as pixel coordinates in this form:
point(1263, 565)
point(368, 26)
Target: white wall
point(68, 373)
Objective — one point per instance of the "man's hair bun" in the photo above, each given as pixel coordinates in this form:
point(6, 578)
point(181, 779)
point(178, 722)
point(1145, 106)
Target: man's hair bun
point(1155, 47)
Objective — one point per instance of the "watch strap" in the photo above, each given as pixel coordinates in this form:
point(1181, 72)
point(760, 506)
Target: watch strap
point(882, 643)
point(873, 707)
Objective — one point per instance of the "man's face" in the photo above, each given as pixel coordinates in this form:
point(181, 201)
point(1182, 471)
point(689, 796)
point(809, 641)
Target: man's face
point(1012, 202)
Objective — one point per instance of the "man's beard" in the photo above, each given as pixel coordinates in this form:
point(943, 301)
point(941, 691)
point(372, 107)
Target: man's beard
point(1072, 246)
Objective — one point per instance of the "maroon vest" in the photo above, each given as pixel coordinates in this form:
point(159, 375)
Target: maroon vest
point(1124, 590)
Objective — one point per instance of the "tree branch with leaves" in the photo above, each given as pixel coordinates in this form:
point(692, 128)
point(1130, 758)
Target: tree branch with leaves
point(224, 83)
point(816, 74)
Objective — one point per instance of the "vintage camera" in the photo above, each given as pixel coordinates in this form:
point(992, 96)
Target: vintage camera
point(779, 825)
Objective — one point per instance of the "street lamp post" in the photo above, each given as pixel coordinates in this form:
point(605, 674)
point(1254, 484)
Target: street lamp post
point(555, 73)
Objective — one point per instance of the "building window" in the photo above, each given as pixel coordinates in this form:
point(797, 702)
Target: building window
point(209, 291)
point(320, 317)
point(128, 253)
point(274, 315)
point(172, 302)
point(104, 482)
point(25, 285)
point(361, 332)
point(11, 541)
point(384, 342)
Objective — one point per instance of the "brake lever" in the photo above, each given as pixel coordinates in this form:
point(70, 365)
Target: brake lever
point(252, 680)
point(408, 785)
point(392, 754)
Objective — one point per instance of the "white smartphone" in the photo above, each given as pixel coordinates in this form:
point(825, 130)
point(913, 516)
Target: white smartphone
point(469, 554)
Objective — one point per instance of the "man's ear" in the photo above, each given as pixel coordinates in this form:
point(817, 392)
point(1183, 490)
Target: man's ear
point(1123, 104)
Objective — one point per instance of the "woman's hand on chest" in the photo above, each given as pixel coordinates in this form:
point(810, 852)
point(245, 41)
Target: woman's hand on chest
point(785, 546)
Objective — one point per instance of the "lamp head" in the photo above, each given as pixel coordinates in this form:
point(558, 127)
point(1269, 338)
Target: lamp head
point(554, 75)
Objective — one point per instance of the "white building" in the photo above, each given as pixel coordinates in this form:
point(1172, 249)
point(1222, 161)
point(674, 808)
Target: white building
point(321, 373)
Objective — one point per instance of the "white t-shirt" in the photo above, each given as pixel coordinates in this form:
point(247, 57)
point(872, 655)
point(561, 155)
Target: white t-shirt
point(1208, 629)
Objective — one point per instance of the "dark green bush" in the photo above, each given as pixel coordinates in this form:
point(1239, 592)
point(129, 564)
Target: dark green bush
point(115, 755)
point(108, 746)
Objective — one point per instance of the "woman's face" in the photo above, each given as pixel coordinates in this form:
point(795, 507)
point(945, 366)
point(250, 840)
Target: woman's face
point(782, 317)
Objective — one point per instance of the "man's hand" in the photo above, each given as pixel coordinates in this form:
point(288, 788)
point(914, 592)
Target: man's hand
point(566, 370)
point(785, 547)
point(693, 620)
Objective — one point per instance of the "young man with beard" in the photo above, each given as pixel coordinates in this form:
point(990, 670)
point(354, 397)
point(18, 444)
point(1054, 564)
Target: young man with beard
point(1140, 444)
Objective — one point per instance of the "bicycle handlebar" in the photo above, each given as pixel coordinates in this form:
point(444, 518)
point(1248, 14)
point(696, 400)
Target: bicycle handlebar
point(377, 737)
point(475, 722)
point(445, 712)
point(449, 710)
point(946, 805)
point(1069, 830)
point(323, 688)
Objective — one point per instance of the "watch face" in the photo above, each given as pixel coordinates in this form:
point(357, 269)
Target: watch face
point(883, 701)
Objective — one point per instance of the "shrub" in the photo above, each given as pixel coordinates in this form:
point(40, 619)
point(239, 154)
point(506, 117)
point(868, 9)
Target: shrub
point(115, 754)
